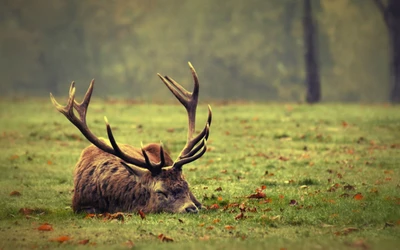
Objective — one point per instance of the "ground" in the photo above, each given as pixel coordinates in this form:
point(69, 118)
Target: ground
point(276, 176)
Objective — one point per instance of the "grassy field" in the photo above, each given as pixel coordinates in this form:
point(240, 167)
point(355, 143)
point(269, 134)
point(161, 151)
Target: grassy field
point(330, 175)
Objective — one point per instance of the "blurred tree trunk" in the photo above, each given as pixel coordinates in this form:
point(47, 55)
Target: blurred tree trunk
point(391, 15)
point(311, 55)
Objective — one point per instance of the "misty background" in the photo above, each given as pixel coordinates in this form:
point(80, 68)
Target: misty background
point(241, 50)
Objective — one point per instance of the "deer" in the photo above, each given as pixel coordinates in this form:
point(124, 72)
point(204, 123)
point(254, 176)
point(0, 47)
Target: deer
point(112, 177)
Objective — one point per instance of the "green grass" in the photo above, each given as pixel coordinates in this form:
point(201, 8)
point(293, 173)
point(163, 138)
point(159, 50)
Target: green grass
point(312, 160)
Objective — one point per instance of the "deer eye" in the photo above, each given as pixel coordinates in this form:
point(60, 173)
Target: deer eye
point(162, 194)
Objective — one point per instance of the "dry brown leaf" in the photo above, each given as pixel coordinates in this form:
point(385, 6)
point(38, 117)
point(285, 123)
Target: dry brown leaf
point(89, 216)
point(258, 195)
point(142, 215)
point(45, 227)
point(240, 216)
point(164, 238)
point(14, 157)
point(214, 206)
point(215, 221)
point(83, 242)
point(283, 158)
point(61, 239)
point(15, 193)
point(267, 200)
point(26, 211)
point(229, 227)
point(358, 196)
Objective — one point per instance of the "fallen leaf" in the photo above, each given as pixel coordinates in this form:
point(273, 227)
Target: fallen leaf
point(358, 196)
point(15, 193)
point(26, 211)
point(142, 215)
point(45, 227)
point(293, 203)
point(218, 189)
point(14, 157)
point(267, 200)
point(89, 216)
point(215, 221)
point(164, 238)
point(117, 216)
point(229, 227)
point(49, 162)
point(239, 216)
point(283, 158)
point(214, 206)
point(258, 195)
point(61, 239)
point(83, 242)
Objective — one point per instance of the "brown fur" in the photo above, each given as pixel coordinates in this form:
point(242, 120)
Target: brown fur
point(103, 184)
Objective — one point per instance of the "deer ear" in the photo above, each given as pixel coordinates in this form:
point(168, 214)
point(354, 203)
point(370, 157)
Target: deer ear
point(134, 170)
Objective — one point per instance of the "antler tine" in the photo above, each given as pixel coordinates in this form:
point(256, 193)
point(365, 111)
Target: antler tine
point(80, 123)
point(178, 164)
point(83, 106)
point(203, 134)
point(67, 110)
point(189, 100)
point(154, 168)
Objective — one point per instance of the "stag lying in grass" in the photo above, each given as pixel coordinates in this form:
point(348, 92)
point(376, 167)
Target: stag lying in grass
point(121, 178)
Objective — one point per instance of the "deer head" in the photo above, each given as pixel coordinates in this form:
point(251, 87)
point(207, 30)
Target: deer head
point(110, 177)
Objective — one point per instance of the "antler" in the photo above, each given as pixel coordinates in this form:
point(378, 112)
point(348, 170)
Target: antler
point(80, 123)
point(197, 146)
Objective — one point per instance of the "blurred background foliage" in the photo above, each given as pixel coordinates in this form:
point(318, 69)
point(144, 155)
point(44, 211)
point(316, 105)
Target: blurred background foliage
point(242, 50)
